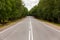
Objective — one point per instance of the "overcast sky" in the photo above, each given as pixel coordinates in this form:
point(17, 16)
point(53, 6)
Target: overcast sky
point(30, 3)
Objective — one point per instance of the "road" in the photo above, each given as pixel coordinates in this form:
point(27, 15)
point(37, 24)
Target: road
point(30, 29)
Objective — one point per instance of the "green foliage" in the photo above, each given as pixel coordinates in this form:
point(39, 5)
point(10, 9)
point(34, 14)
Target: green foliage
point(47, 10)
point(11, 10)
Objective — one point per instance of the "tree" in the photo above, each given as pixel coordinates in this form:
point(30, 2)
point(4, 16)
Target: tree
point(47, 10)
point(11, 10)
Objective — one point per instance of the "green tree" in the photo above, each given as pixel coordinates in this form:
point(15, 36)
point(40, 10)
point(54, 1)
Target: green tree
point(11, 10)
point(47, 10)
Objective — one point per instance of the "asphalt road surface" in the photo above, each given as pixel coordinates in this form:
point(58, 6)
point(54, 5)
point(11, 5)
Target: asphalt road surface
point(30, 29)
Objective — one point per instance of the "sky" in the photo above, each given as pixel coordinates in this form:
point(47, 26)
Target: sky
point(30, 3)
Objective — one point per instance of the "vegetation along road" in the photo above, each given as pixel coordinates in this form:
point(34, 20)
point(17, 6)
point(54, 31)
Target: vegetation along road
point(29, 28)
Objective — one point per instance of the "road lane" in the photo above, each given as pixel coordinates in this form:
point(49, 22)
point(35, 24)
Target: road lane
point(42, 32)
point(30, 29)
point(16, 32)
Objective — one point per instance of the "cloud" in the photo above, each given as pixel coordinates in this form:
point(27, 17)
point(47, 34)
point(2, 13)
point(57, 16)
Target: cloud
point(30, 3)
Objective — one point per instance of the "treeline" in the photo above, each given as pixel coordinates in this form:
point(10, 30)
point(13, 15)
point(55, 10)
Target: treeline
point(11, 10)
point(47, 10)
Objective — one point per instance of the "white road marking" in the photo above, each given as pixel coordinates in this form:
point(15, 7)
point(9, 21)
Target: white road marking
point(11, 27)
point(5, 33)
point(30, 30)
point(50, 27)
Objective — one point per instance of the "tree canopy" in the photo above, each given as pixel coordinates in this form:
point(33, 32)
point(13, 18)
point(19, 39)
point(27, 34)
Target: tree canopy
point(47, 10)
point(11, 10)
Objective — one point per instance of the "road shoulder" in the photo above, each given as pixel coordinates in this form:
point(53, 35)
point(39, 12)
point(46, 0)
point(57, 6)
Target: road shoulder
point(53, 25)
point(56, 26)
point(10, 24)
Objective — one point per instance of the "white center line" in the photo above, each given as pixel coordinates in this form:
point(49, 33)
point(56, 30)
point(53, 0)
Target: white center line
point(30, 30)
